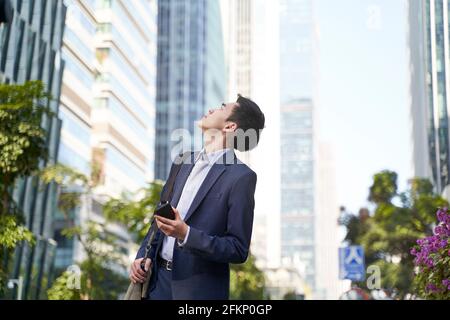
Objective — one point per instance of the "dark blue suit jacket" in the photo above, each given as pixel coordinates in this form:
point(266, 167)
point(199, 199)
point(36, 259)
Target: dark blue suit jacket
point(221, 221)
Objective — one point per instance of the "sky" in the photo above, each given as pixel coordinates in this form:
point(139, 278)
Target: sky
point(363, 92)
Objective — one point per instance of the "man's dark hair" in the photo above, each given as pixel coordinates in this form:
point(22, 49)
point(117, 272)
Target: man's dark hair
point(249, 119)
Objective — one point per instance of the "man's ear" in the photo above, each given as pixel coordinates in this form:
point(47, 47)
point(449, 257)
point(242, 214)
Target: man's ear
point(230, 127)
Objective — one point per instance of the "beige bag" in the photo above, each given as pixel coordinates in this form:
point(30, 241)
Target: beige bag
point(138, 291)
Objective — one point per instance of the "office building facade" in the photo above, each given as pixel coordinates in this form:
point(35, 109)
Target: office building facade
point(237, 21)
point(298, 38)
point(298, 214)
point(430, 83)
point(30, 49)
point(108, 107)
point(190, 76)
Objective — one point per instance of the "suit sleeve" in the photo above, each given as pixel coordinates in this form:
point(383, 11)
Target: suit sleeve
point(234, 246)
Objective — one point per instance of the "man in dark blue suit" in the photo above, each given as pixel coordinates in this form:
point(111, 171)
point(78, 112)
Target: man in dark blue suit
point(213, 200)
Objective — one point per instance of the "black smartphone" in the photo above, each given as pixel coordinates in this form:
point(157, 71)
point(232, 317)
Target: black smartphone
point(164, 209)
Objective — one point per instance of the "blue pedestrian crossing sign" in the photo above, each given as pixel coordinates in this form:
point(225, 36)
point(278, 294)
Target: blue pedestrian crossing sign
point(351, 263)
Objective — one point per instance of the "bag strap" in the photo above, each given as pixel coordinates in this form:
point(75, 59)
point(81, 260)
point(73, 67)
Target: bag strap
point(165, 197)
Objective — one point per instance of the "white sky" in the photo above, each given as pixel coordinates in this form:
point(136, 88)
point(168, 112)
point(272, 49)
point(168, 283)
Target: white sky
point(364, 92)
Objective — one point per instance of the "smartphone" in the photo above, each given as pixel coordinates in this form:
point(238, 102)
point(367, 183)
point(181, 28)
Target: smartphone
point(165, 210)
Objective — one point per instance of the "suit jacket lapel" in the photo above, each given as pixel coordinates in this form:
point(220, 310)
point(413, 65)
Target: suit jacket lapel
point(212, 176)
point(181, 179)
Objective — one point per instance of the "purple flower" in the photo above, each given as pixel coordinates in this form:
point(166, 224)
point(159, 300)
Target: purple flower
point(431, 287)
point(441, 215)
point(438, 230)
point(446, 283)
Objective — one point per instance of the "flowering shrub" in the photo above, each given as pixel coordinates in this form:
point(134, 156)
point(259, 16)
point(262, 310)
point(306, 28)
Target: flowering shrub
point(432, 260)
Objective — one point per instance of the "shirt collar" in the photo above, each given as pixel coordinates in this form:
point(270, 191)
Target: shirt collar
point(211, 157)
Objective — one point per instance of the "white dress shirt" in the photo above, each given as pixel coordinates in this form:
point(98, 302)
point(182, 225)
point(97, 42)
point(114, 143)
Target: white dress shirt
point(203, 163)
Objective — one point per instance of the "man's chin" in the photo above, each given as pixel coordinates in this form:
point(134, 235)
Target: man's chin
point(201, 124)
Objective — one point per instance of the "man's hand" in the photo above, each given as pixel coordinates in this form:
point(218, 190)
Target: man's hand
point(175, 228)
point(136, 273)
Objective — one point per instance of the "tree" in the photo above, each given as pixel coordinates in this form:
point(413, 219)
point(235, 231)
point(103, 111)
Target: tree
point(397, 221)
point(135, 214)
point(246, 281)
point(99, 280)
point(290, 295)
point(22, 151)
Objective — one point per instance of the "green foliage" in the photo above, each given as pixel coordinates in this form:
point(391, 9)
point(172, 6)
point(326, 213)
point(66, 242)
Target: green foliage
point(73, 185)
point(384, 187)
point(63, 289)
point(246, 281)
point(22, 148)
point(22, 139)
point(95, 283)
point(291, 295)
point(100, 282)
point(398, 220)
point(98, 279)
point(64, 176)
point(135, 214)
point(12, 233)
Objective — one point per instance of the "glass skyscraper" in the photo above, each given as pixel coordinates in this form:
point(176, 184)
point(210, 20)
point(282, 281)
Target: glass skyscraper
point(297, 80)
point(30, 49)
point(297, 187)
point(75, 108)
point(108, 106)
point(191, 71)
point(429, 39)
point(237, 22)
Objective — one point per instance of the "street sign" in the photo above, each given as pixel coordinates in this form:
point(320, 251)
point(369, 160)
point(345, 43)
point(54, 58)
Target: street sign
point(351, 263)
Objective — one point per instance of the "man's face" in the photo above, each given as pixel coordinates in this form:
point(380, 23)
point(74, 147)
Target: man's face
point(217, 118)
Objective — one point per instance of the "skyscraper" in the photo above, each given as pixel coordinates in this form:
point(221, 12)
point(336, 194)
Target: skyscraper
point(108, 105)
point(75, 109)
point(238, 25)
point(30, 49)
point(429, 87)
point(419, 114)
point(298, 39)
point(125, 93)
point(190, 75)
point(298, 212)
